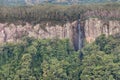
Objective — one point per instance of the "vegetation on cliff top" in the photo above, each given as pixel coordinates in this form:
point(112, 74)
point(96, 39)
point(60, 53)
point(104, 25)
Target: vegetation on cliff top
point(57, 13)
point(48, 59)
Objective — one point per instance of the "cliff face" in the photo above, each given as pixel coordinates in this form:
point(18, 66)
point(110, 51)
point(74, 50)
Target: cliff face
point(95, 27)
point(14, 33)
point(75, 31)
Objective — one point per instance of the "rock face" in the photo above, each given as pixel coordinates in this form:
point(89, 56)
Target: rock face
point(14, 33)
point(76, 31)
point(95, 27)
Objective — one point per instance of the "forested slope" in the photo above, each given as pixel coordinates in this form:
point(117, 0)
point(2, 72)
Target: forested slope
point(35, 59)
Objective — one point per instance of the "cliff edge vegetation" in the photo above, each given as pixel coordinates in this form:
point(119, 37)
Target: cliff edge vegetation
point(58, 13)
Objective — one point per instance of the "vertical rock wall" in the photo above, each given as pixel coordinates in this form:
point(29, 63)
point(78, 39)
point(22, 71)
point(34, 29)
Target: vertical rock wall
point(95, 27)
point(76, 31)
point(14, 33)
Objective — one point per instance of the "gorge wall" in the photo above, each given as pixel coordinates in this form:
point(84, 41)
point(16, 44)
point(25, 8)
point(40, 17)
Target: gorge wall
point(77, 31)
point(94, 27)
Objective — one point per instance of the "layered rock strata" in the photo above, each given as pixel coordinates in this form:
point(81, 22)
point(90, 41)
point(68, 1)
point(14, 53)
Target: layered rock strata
point(76, 31)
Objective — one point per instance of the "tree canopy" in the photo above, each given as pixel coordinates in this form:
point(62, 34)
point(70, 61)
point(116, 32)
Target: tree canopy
point(47, 59)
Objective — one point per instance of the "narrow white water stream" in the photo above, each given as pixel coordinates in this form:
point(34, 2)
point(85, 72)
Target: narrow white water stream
point(80, 36)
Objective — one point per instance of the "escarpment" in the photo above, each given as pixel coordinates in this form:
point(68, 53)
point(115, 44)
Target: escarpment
point(11, 33)
point(94, 27)
point(76, 31)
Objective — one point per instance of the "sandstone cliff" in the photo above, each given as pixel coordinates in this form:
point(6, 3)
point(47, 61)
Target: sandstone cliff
point(14, 33)
point(94, 27)
point(76, 31)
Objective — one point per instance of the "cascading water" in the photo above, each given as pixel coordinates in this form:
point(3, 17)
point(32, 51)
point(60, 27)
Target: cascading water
point(80, 36)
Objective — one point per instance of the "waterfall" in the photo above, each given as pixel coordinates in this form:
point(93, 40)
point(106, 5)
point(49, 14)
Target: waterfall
point(80, 36)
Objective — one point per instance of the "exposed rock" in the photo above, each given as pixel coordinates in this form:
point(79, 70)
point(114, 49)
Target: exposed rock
point(10, 33)
point(90, 29)
point(95, 27)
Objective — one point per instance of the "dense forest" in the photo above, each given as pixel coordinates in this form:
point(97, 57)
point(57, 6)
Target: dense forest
point(54, 59)
point(58, 13)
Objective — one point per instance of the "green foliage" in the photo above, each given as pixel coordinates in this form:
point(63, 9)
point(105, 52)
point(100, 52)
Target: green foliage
point(58, 14)
point(36, 59)
point(101, 60)
point(55, 59)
